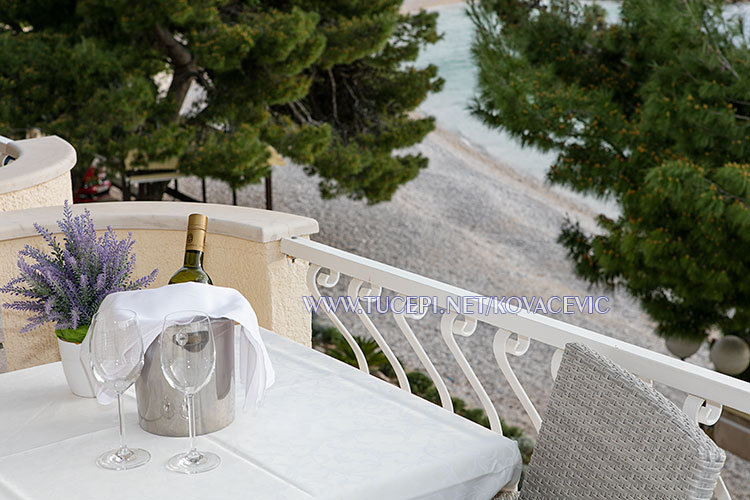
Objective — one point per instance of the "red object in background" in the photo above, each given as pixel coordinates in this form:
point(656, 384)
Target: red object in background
point(95, 186)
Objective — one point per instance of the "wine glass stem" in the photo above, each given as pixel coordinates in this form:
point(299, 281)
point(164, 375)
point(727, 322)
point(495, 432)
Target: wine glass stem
point(123, 446)
point(191, 425)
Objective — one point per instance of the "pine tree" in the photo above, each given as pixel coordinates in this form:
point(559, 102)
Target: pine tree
point(651, 111)
point(307, 77)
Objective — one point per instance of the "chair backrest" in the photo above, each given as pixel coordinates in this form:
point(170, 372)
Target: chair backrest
point(606, 434)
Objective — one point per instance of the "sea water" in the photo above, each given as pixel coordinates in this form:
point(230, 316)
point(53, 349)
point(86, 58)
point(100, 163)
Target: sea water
point(452, 56)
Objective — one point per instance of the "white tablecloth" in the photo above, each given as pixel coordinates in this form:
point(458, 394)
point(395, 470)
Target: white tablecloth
point(324, 431)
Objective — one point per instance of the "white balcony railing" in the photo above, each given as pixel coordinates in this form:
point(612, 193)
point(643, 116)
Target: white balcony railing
point(707, 391)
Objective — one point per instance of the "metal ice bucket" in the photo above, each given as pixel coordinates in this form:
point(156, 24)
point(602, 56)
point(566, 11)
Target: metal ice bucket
point(162, 409)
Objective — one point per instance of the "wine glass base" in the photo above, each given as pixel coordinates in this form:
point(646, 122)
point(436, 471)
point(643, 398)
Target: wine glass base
point(183, 464)
point(123, 460)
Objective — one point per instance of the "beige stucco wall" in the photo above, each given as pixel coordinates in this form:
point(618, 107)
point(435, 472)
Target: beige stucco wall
point(40, 174)
point(272, 283)
point(45, 194)
point(28, 349)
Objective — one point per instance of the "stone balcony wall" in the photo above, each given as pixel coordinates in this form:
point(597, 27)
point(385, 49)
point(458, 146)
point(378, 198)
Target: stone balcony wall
point(242, 252)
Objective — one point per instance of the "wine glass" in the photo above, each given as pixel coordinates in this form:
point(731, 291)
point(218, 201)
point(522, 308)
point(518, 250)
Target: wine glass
point(116, 356)
point(188, 359)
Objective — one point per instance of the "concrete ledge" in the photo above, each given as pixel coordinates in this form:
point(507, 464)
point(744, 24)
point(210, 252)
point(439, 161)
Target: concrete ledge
point(260, 226)
point(37, 161)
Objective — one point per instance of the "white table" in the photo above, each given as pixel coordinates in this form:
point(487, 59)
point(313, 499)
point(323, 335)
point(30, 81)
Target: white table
point(325, 430)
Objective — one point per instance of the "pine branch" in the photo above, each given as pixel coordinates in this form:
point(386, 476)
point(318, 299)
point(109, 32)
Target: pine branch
point(296, 113)
point(726, 193)
point(333, 95)
point(722, 59)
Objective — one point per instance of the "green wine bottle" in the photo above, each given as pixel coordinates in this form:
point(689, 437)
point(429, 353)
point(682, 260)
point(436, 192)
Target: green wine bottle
point(192, 268)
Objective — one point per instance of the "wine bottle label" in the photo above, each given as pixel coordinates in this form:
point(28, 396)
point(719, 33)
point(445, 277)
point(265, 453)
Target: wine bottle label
point(196, 239)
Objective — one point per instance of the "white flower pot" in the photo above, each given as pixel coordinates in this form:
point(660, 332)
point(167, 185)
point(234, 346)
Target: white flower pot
point(79, 377)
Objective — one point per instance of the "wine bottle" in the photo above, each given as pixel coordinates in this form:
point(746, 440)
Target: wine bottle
point(192, 268)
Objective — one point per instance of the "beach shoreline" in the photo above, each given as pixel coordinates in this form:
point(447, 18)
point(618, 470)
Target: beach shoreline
point(471, 221)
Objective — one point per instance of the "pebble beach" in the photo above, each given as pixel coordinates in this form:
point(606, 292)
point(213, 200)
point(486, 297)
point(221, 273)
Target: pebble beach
point(477, 218)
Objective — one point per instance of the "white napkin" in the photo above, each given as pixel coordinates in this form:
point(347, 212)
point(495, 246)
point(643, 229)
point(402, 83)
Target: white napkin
point(151, 305)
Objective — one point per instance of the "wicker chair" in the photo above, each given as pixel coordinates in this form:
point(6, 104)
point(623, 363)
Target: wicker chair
point(608, 435)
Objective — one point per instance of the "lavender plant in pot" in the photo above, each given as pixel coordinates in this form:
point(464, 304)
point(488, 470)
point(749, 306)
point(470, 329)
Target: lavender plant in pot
point(66, 285)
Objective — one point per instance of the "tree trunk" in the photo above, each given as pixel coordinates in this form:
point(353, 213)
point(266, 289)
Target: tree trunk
point(269, 192)
point(183, 64)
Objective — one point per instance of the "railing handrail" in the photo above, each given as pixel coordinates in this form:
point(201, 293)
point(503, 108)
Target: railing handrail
point(252, 224)
point(692, 379)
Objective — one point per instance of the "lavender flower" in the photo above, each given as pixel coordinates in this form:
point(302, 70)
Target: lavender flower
point(67, 285)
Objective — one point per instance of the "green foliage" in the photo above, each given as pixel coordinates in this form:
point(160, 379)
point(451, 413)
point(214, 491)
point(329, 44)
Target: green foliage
point(422, 386)
point(328, 84)
point(323, 332)
point(366, 98)
point(334, 344)
point(376, 359)
point(651, 112)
